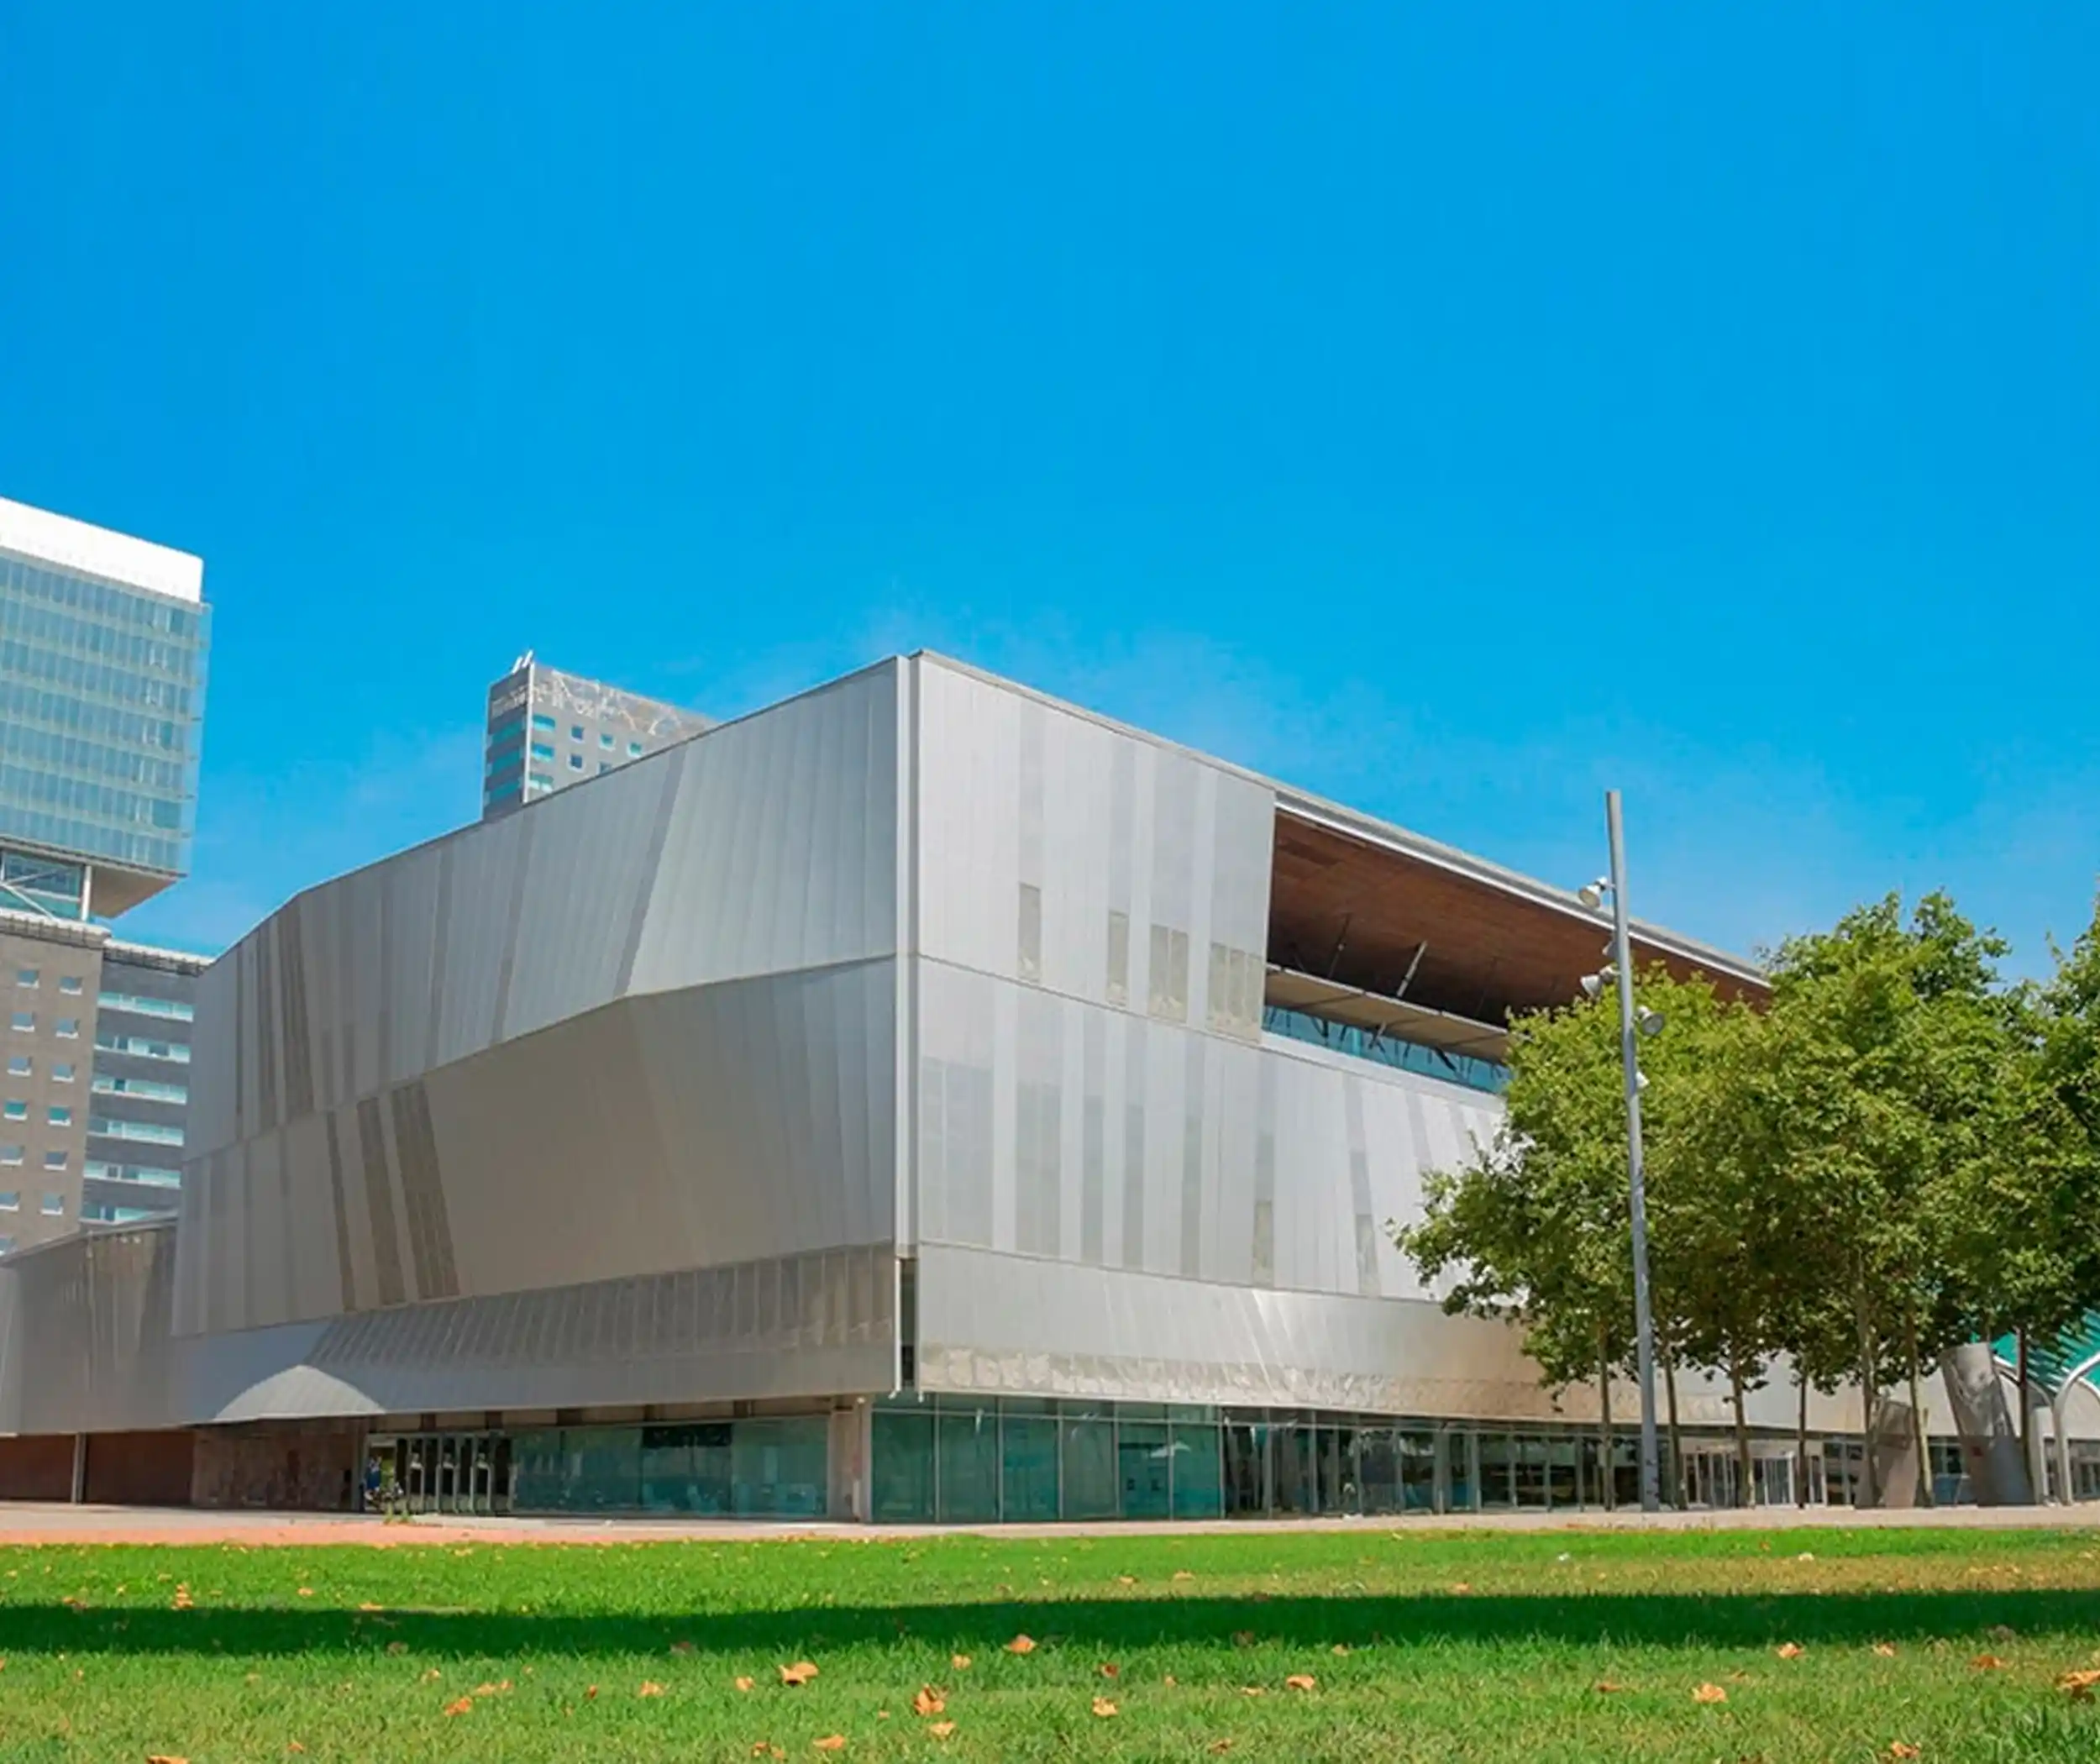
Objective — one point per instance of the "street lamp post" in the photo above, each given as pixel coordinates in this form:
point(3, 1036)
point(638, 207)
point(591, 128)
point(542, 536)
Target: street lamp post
point(1630, 1026)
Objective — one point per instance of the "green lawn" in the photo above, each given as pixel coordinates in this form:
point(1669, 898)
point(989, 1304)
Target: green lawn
point(1418, 1645)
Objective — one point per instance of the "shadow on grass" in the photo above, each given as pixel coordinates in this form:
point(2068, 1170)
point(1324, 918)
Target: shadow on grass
point(1648, 1620)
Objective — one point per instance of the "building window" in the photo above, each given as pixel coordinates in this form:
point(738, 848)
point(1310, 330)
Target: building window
point(634, 750)
point(542, 750)
point(68, 1028)
point(576, 731)
point(575, 761)
point(69, 983)
point(24, 1020)
point(55, 1160)
point(150, 1131)
point(10, 1154)
point(158, 1089)
point(61, 1072)
point(150, 1007)
point(53, 1206)
point(19, 1065)
point(25, 977)
point(58, 1117)
point(605, 741)
point(11, 1200)
point(14, 1110)
point(542, 780)
point(545, 725)
point(604, 766)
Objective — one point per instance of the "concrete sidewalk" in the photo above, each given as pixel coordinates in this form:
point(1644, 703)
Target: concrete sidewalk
point(40, 1523)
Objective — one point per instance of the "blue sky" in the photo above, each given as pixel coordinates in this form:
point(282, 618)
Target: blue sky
point(1452, 410)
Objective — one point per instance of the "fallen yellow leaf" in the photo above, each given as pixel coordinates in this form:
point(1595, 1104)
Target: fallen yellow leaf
point(1460, 1586)
point(460, 1708)
point(1251, 1690)
point(432, 1675)
point(1987, 1663)
point(1021, 1645)
point(1339, 1650)
point(1127, 1580)
point(928, 1702)
point(1790, 1650)
point(961, 1662)
point(1300, 1681)
point(649, 1688)
point(1710, 1693)
point(1110, 1669)
point(2079, 1684)
point(1104, 1708)
point(799, 1673)
point(941, 1729)
point(1902, 1749)
point(1609, 1686)
point(1183, 1574)
point(164, 1757)
point(831, 1742)
point(744, 1684)
point(1887, 1650)
point(369, 1606)
point(306, 1592)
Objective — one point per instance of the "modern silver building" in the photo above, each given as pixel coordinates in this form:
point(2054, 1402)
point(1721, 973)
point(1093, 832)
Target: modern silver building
point(918, 1100)
point(548, 730)
point(103, 640)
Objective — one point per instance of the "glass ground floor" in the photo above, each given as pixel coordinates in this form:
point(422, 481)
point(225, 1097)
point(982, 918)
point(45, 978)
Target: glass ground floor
point(944, 1459)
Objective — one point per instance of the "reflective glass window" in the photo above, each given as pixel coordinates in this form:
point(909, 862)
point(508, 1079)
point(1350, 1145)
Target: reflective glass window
point(544, 723)
point(781, 1465)
point(969, 1466)
point(901, 1477)
point(1088, 1461)
point(1028, 1458)
point(1142, 1459)
point(1199, 1472)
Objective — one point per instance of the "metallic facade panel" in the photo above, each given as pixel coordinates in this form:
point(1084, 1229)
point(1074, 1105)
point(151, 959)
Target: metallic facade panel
point(91, 1315)
point(780, 852)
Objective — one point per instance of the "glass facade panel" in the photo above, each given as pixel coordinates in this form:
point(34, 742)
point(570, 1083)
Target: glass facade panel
point(1456, 1068)
point(1528, 1457)
point(1336, 1448)
point(1498, 1472)
point(1142, 1459)
point(1198, 1475)
point(1418, 1472)
point(968, 1481)
point(1088, 1463)
point(1378, 1469)
point(686, 1469)
point(778, 1466)
point(901, 1477)
point(101, 697)
point(1028, 1458)
point(1246, 1468)
point(1296, 1487)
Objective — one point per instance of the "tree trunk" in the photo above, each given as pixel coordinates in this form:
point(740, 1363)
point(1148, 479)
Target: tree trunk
point(1746, 1487)
point(1917, 1412)
point(1801, 1441)
point(1677, 1439)
point(1605, 1467)
point(1869, 1494)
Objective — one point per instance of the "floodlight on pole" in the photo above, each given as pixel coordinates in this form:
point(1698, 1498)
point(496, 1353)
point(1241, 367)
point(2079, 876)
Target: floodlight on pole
point(1649, 1023)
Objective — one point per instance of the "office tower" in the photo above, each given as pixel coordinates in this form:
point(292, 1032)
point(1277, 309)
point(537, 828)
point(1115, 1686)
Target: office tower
point(548, 730)
point(103, 640)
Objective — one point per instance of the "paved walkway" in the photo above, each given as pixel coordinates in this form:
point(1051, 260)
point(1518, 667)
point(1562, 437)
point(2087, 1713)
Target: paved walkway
point(26, 1522)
